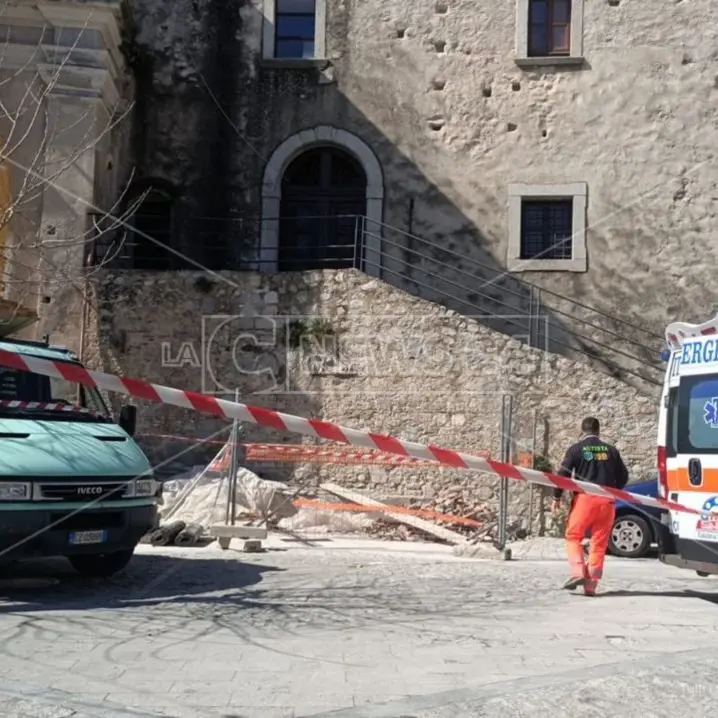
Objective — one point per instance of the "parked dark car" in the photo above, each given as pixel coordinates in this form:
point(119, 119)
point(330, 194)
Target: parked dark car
point(636, 527)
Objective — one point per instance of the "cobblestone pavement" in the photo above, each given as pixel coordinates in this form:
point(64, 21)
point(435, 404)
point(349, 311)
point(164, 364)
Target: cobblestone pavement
point(356, 629)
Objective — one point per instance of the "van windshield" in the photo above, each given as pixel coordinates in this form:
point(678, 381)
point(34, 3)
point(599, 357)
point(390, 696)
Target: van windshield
point(698, 415)
point(24, 394)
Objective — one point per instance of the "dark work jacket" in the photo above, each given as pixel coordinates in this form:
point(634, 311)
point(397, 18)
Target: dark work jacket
point(594, 460)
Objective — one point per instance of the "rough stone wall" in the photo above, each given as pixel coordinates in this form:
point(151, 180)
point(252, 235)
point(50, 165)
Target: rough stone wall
point(634, 123)
point(192, 77)
point(434, 90)
point(342, 347)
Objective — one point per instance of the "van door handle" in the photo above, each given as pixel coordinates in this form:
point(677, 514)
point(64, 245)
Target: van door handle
point(695, 472)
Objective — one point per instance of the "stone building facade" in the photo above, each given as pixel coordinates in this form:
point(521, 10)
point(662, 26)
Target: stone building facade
point(535, 169)
point(466, 135)
point(348, 348)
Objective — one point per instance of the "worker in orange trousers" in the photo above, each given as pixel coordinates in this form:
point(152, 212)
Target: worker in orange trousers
point(600, 463)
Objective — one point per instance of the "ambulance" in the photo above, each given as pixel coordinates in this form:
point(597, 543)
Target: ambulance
point(688, 446)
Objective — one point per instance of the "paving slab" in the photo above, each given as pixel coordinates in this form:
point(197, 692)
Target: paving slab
point(356, 628)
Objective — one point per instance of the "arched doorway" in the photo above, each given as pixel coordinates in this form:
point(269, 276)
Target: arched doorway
point(323, 197)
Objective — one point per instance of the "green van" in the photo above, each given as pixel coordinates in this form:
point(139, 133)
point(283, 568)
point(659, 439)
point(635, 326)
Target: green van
point(73, 482)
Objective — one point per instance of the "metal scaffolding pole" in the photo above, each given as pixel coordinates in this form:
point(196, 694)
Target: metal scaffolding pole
point(506, 430)
point(234, 460)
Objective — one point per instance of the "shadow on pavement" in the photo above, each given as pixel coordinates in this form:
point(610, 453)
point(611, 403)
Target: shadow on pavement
point(710, 597)
point(148, 580)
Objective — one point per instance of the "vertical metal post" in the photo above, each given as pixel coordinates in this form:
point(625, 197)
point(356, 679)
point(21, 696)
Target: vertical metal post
point(535, 318)
point(546, 332)
point(356, 243)
point(532, 312)
point(234, 459)
point(531, 316)
point(362, 244)
point(531, 486)
point(228, 504)
point(506, 422)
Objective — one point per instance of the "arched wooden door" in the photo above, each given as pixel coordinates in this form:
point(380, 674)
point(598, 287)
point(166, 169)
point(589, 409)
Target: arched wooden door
point(323, 196)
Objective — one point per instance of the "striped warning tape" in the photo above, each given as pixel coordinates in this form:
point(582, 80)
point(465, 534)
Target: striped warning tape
point(306, 453)
point(316, 428)
point(47, 406)
point(332, 455)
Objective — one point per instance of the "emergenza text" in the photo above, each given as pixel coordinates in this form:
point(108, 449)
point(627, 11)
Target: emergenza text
point(702, 352)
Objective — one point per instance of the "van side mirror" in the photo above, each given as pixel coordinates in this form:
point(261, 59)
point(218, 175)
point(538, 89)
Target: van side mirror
point(128, 419)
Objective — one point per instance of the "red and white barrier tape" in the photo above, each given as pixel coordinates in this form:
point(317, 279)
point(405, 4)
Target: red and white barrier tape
point(308, 453)
point(316, 428)
point(333, 455)
point(47, 406)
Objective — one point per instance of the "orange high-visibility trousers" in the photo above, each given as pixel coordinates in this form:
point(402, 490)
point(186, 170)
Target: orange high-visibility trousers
point(594, 514)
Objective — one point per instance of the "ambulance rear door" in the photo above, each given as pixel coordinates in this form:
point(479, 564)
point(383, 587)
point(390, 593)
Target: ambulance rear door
point(692, 443)
point(667, 441)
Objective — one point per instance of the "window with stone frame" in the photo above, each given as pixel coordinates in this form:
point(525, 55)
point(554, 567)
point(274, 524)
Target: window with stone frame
point(549, 32)
point(549, 28)
point(547, 228)
point(295, 29)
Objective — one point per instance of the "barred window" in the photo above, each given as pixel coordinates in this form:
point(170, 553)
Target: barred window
point(546, 229)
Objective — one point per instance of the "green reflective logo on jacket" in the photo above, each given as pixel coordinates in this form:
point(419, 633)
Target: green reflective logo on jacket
point(599, 452)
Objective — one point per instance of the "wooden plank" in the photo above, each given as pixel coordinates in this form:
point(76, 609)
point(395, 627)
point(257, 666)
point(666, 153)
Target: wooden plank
point(439, 531)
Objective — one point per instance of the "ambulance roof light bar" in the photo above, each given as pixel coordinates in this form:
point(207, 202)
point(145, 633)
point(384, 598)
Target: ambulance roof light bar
point(677, 332)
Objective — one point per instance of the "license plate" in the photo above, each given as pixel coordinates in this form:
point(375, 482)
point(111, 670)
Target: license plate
point(79, 538)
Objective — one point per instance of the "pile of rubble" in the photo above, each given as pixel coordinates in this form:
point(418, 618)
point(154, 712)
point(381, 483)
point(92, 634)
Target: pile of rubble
point(395, 525)
point(460, 503)
point(391, 531)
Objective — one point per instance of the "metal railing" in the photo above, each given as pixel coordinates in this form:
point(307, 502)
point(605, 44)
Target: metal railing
point(458, 274)
point(540, 317)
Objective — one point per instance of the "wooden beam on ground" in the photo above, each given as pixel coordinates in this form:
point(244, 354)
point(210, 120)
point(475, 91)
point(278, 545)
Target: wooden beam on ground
point(426, 526)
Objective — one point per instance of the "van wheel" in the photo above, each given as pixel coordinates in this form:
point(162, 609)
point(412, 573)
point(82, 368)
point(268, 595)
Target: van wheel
point(101, 565)
point(702, 574)
point(630, 536)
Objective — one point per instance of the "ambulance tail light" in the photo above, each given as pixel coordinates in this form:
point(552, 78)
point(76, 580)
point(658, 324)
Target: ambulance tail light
point(662, 472)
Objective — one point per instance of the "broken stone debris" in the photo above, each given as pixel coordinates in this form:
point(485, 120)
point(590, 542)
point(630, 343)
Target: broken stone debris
point(432, 529)
point(400, 526)
point(199, 501)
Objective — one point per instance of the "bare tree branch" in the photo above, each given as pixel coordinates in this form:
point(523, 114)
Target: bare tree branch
point(31, 165)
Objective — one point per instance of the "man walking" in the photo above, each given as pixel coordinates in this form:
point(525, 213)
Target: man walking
point(597, 462)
